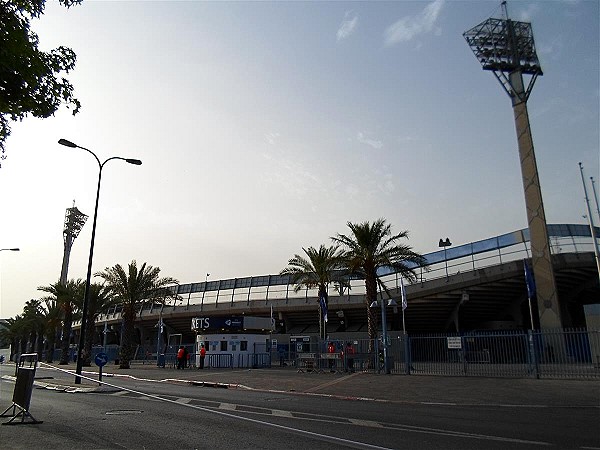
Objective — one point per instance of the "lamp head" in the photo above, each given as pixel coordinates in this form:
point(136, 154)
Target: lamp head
point(136, 162)
point(445, 243)
point(67, 143)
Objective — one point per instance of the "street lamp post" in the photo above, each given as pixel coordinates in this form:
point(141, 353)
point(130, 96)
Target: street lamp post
point(444, 244)
point(86, 297)
point(204, 291)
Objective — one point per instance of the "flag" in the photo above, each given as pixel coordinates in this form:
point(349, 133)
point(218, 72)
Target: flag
point(403, 294)
point(529, 280)
point(323, 304)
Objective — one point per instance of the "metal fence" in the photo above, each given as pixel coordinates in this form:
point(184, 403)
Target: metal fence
point(557, 353)
point(560, 353)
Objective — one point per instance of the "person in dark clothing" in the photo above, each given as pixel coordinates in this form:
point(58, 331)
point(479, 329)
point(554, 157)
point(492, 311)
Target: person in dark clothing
point(186, 358)
point(350, 356)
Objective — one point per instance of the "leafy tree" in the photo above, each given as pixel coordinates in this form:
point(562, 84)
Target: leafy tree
point(30, 79)
point(371, 246)
point(68, 297)
point(318, 270)
point(131, 288)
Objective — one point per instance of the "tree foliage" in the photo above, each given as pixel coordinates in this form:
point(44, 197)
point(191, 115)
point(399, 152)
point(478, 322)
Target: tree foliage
point(31, 80)
point(318, 270)
point(69, 298)
point(371, 246)
point(131, 287)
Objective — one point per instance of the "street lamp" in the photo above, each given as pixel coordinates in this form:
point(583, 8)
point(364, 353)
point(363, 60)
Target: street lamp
point(86, 297)
point(204, 291)
point(445, 243)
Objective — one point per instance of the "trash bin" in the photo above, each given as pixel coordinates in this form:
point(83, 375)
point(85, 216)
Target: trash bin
point(160, 361)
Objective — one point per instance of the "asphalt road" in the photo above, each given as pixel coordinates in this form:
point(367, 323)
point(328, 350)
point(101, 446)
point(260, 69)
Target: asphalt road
point(149, 414)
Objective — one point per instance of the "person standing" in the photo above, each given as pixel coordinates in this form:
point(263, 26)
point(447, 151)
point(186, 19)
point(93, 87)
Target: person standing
point(202, 356)
point(186, 358)
point(180, 357)
point(350, 356)
point(281, 352)
point(331, 351)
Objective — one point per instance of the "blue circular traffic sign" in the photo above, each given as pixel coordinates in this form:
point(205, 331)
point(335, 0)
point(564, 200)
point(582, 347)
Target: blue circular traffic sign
point(101, 359)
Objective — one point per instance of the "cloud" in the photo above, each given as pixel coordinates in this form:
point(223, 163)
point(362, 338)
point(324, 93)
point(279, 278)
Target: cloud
point(347, 26)
point(271, 137)
point(372, 142)
point(408, 27)
point(526, 14)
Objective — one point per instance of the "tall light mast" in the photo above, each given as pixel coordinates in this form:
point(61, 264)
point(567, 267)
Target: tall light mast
point(74, 222)
point(507, 49)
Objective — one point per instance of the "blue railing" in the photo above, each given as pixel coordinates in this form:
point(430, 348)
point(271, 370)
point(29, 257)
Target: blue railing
point(564, 238)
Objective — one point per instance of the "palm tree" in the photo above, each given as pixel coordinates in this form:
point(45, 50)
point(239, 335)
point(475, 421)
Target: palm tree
point(321, 268)
point(34, 325)
point(371, 246)
point(131, 288)
point(52, 313)
point(14, 332)
point(67, 296)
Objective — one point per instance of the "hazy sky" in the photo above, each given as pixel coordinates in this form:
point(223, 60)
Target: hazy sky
point(264, 127)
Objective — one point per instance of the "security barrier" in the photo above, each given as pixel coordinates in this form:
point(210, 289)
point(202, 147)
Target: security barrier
point(22, 393)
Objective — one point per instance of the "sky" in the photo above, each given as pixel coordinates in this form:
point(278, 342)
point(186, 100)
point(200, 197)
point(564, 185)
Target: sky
point(265, 127)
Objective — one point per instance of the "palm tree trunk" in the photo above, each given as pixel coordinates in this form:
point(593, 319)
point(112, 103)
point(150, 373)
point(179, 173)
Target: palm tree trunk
point(50, 346)
point(88, 341)
point(128, 331)
point(66, 337)
point(371, 296)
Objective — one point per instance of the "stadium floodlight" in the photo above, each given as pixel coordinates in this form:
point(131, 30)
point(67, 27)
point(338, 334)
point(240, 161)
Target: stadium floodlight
point(507, 48)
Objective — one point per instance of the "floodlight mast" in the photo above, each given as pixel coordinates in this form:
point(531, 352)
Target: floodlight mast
point(74, 221)
point(507, 48)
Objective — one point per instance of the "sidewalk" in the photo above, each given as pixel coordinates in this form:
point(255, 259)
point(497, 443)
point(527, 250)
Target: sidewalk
point(368, 386)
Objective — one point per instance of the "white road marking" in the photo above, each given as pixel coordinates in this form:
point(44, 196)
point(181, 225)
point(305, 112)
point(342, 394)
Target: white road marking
point(319, 436)
point(281, 413)
point(365, 423)
point(228, 406)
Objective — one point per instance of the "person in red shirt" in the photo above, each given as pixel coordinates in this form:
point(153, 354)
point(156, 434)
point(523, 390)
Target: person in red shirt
point(181, 358)
point(331, 351)
point(202, 356)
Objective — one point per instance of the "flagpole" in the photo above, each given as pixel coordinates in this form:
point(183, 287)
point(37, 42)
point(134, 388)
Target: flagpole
point(530, 283)
point(403, 324)
point(404, 303)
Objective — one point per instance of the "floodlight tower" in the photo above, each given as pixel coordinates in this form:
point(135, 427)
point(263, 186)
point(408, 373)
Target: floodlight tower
point(74, 221)
point(506, 48)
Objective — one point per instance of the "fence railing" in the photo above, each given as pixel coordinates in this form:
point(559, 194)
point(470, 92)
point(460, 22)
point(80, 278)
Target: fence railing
point(561, 353)
point(554, 353)
point(564, 238)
